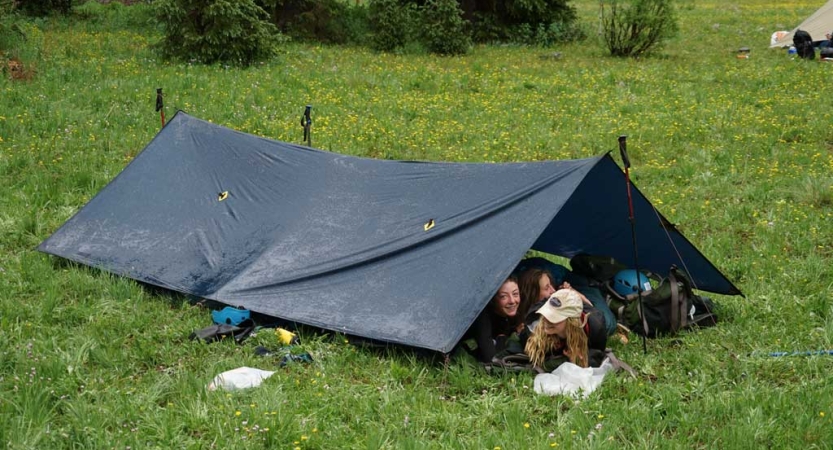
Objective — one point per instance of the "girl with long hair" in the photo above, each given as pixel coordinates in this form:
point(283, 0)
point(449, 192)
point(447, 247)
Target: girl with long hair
point(565, 329)
point(536, 286)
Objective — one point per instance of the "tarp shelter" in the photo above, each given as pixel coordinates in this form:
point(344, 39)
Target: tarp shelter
point(396, 251)
point(818, 24)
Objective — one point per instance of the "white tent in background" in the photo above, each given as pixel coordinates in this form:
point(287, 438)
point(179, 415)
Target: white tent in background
point(819, 24)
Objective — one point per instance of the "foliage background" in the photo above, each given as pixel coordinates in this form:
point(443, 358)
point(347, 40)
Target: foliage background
point(737, 152)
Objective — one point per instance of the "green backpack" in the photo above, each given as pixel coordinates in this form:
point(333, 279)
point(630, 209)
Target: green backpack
point(670, 307)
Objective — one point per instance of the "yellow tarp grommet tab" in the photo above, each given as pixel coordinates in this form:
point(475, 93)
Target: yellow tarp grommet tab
point(222, 196)
point(428, 225)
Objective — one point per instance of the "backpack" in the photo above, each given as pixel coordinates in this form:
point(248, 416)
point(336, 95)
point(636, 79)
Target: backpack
point(596, 268)
point(803, 43)
point(670, 307)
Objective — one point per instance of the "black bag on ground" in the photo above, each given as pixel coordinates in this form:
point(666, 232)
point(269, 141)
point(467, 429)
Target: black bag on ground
point(826, 52)
point(221, 331)
point(671, 307)
point(803, 43)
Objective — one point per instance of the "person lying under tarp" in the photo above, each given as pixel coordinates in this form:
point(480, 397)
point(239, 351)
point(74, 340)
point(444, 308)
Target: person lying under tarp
point(498, 321)
point(502, 326)
point(501, 330)
point(560, 329)
point(539, 278)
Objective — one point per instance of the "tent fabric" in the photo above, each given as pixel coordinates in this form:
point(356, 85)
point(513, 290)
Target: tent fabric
point(396, 251)
point(818, 24)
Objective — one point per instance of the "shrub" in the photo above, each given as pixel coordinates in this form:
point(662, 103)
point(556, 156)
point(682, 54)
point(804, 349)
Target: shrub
point(209, 31)
point(536, 12)
point(12, 43)
point(138, 16)
point(41, 8)
point(444, 30)
point(545, 35)
point(537, 22)
point(12, 35)
point(487, 28)
point(6, 7)
point(637, 27)
point(549, 35)
point(328, 21)
point(393, 24)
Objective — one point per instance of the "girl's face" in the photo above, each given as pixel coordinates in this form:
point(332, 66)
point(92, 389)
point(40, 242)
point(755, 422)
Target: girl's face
point(545, 288)
point(507, 299)
point(558, 329)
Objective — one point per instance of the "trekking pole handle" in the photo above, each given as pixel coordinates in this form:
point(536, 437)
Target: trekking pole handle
point(623, 151)
point(306, 122)
point(160, 105)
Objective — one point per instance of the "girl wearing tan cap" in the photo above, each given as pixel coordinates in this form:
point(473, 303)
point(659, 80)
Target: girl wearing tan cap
point(564, 329)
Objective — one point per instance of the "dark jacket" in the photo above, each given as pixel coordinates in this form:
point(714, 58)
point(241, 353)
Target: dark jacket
point(490, 331)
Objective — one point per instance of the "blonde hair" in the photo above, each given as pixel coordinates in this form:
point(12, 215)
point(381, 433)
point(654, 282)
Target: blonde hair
point(540, 344)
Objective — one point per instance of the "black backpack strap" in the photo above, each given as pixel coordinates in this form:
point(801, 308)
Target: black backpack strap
point(680, 301)
point(676, 321)
point(645, 328)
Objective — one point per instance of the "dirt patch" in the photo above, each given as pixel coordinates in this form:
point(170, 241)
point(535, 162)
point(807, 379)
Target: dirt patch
point(16, 70)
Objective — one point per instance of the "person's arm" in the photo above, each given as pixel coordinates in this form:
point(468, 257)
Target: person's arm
point(482, 333)
point(566, 285)
point(597, 331)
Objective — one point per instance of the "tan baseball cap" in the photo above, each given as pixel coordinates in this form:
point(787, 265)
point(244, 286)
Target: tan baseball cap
point(561, 305)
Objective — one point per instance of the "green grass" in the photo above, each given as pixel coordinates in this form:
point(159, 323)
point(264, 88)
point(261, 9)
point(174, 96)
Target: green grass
point(739, 153)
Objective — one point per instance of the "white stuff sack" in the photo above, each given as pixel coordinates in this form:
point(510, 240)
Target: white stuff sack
point(570, 379)
point(239, 378)
point(777, 37)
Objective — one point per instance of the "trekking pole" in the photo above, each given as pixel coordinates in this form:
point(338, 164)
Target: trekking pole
point(623, 152)
point(160, 107)
point(306, 122)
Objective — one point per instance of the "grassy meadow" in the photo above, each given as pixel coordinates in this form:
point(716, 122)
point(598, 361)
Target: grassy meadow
point(737, 152)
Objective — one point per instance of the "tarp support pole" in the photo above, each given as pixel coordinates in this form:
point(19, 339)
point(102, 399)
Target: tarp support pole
point(623, 152)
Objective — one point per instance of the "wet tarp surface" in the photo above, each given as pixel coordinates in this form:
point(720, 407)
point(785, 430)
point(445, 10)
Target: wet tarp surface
point(403, 252)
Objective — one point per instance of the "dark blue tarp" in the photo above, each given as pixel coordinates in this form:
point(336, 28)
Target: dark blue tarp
point(346, 243)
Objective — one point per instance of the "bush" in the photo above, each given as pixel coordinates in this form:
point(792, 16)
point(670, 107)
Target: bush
point(209, 31)
point(531, 22)
point(42, 8)
point(116, 15)
point(444, 30)
point(393, 24)
point(536, 12)
point(546, 35)
point(638, 26)
point(6, 7)
point(12, 37)
point(328, 21)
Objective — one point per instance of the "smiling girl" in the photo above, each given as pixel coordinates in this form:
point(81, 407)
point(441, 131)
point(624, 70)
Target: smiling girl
point(497, 322)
